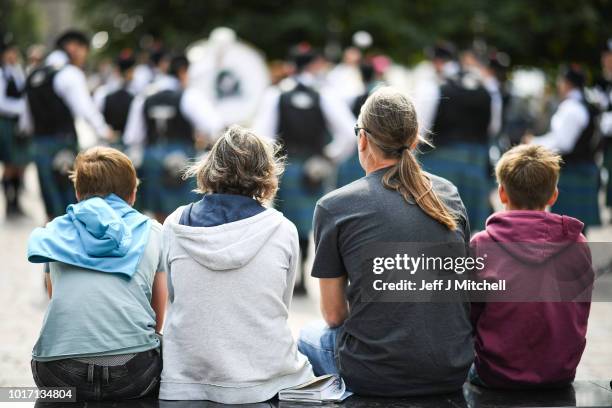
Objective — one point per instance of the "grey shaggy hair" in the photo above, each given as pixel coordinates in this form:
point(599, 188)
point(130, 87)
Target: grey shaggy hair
point(240, 162)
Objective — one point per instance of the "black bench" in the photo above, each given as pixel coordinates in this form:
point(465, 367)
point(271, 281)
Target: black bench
point(581, 394)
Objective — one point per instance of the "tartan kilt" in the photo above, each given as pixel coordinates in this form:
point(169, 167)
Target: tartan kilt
point(56, 188)
point(159, 192)
point(14, 149)
point(579, 192)
point(349, 171)
point(295, 199)
point(466, 165)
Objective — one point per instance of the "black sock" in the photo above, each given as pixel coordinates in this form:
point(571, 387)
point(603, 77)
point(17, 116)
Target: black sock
point(16, 182)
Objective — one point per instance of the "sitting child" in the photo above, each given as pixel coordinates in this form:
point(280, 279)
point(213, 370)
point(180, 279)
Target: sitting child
point(232, 265)
point(108, 293)
point(537, 343)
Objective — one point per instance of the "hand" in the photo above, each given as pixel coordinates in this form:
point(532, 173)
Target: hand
point(111, 136)
point(202, 142)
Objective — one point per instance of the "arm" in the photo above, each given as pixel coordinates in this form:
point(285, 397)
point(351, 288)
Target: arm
point(294, 267)
point(495, 124)
point(265, 123)
point(135, 129)
point(329, 267)
point(334, 307)
point(159, 299)
point(565, 127)
point(48, 285)
point(71, 85)
point(9, 106)
point(99, 97)
point(26, 123)
point(340, 121)
point(426, 105)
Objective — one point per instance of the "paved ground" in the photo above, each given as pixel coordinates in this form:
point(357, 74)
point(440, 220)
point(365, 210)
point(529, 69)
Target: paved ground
point(23, 302)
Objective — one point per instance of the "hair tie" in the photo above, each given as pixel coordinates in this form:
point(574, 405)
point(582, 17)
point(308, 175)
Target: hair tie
point(401, 149)
point(419, 198)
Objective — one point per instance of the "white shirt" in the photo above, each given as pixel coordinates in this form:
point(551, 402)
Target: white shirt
point(193, 105)
point(70, 85)
point(566, 125)
point(9, 106)
point(338, 117)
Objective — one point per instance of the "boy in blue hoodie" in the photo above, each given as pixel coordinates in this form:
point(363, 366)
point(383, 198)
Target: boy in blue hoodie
point(106, 287)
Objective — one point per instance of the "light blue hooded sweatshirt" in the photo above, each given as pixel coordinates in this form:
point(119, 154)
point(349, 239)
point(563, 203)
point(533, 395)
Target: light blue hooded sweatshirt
point(101, 234)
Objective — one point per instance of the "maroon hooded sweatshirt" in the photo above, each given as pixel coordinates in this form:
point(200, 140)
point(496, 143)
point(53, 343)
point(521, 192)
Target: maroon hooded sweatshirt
point(520, 344)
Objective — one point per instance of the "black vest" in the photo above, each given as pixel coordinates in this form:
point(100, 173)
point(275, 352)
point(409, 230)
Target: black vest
point(11, 90)
point(301, 124)
point(358, 103)
point(586, 145)
point(50, 113)
point(464, 112)
point(164, 120)
point(116, 109)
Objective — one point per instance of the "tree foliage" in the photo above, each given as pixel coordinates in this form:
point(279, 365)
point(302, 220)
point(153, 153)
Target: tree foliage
point(539, 32)
point(19, 22)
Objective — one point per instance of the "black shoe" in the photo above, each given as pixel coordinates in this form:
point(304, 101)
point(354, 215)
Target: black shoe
point(13, 210)
point(300, 289)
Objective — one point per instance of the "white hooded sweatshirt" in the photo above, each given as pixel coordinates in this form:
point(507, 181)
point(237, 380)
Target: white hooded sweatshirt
point(226, 337)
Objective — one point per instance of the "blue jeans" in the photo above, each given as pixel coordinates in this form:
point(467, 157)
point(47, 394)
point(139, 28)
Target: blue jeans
point(318, 343)
point(474, 378)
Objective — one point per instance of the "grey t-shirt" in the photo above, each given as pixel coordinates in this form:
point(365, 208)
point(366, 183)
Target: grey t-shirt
point(401, 348)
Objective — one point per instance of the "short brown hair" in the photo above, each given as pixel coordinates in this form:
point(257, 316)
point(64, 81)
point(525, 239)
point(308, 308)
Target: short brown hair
point(240, 162)
point(101, 171)
point(529, 174)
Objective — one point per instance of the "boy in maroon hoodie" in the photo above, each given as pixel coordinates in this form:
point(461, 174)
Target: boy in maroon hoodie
point(537, 343)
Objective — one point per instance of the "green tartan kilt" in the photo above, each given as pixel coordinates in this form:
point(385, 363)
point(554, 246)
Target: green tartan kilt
point(296, 199)
point(14, 149)
point(349, 171)
point(466, 165)
point(161, 192)
point(56, 188)
point(578, 192)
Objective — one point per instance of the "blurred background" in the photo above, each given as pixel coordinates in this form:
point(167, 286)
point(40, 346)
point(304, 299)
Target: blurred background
point(521, 44)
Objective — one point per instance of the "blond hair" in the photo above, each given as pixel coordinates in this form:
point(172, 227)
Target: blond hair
point(529, 174)
point(101, 171)
point(240, 162)
point(390, 122)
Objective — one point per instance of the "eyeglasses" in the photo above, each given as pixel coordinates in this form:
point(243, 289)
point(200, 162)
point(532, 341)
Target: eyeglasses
point(357, 129)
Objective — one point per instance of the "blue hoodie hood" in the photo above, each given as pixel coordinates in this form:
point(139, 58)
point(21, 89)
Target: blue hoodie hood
point(101, 234)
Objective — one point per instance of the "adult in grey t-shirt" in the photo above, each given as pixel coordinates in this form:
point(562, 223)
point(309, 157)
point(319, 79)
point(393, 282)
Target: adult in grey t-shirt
point(384, 348)
point(399, 348)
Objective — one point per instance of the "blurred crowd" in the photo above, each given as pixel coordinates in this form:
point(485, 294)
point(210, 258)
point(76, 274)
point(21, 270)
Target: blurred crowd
point(165, 108)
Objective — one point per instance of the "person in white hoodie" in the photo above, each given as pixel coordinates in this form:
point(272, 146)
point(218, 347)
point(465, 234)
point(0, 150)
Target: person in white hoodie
point(232, 264)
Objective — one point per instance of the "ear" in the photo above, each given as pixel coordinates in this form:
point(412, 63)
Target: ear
point(503, 196)
point(553, 199)
point(132, 199)
point(78, 197)
point(363, 141)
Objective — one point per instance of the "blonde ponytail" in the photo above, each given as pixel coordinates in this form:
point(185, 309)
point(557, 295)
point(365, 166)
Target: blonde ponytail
point(389, 118)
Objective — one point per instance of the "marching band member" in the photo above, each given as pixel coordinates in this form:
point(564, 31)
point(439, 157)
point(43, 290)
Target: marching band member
point(57, 94)
point(169, 124)
point(305, 116)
